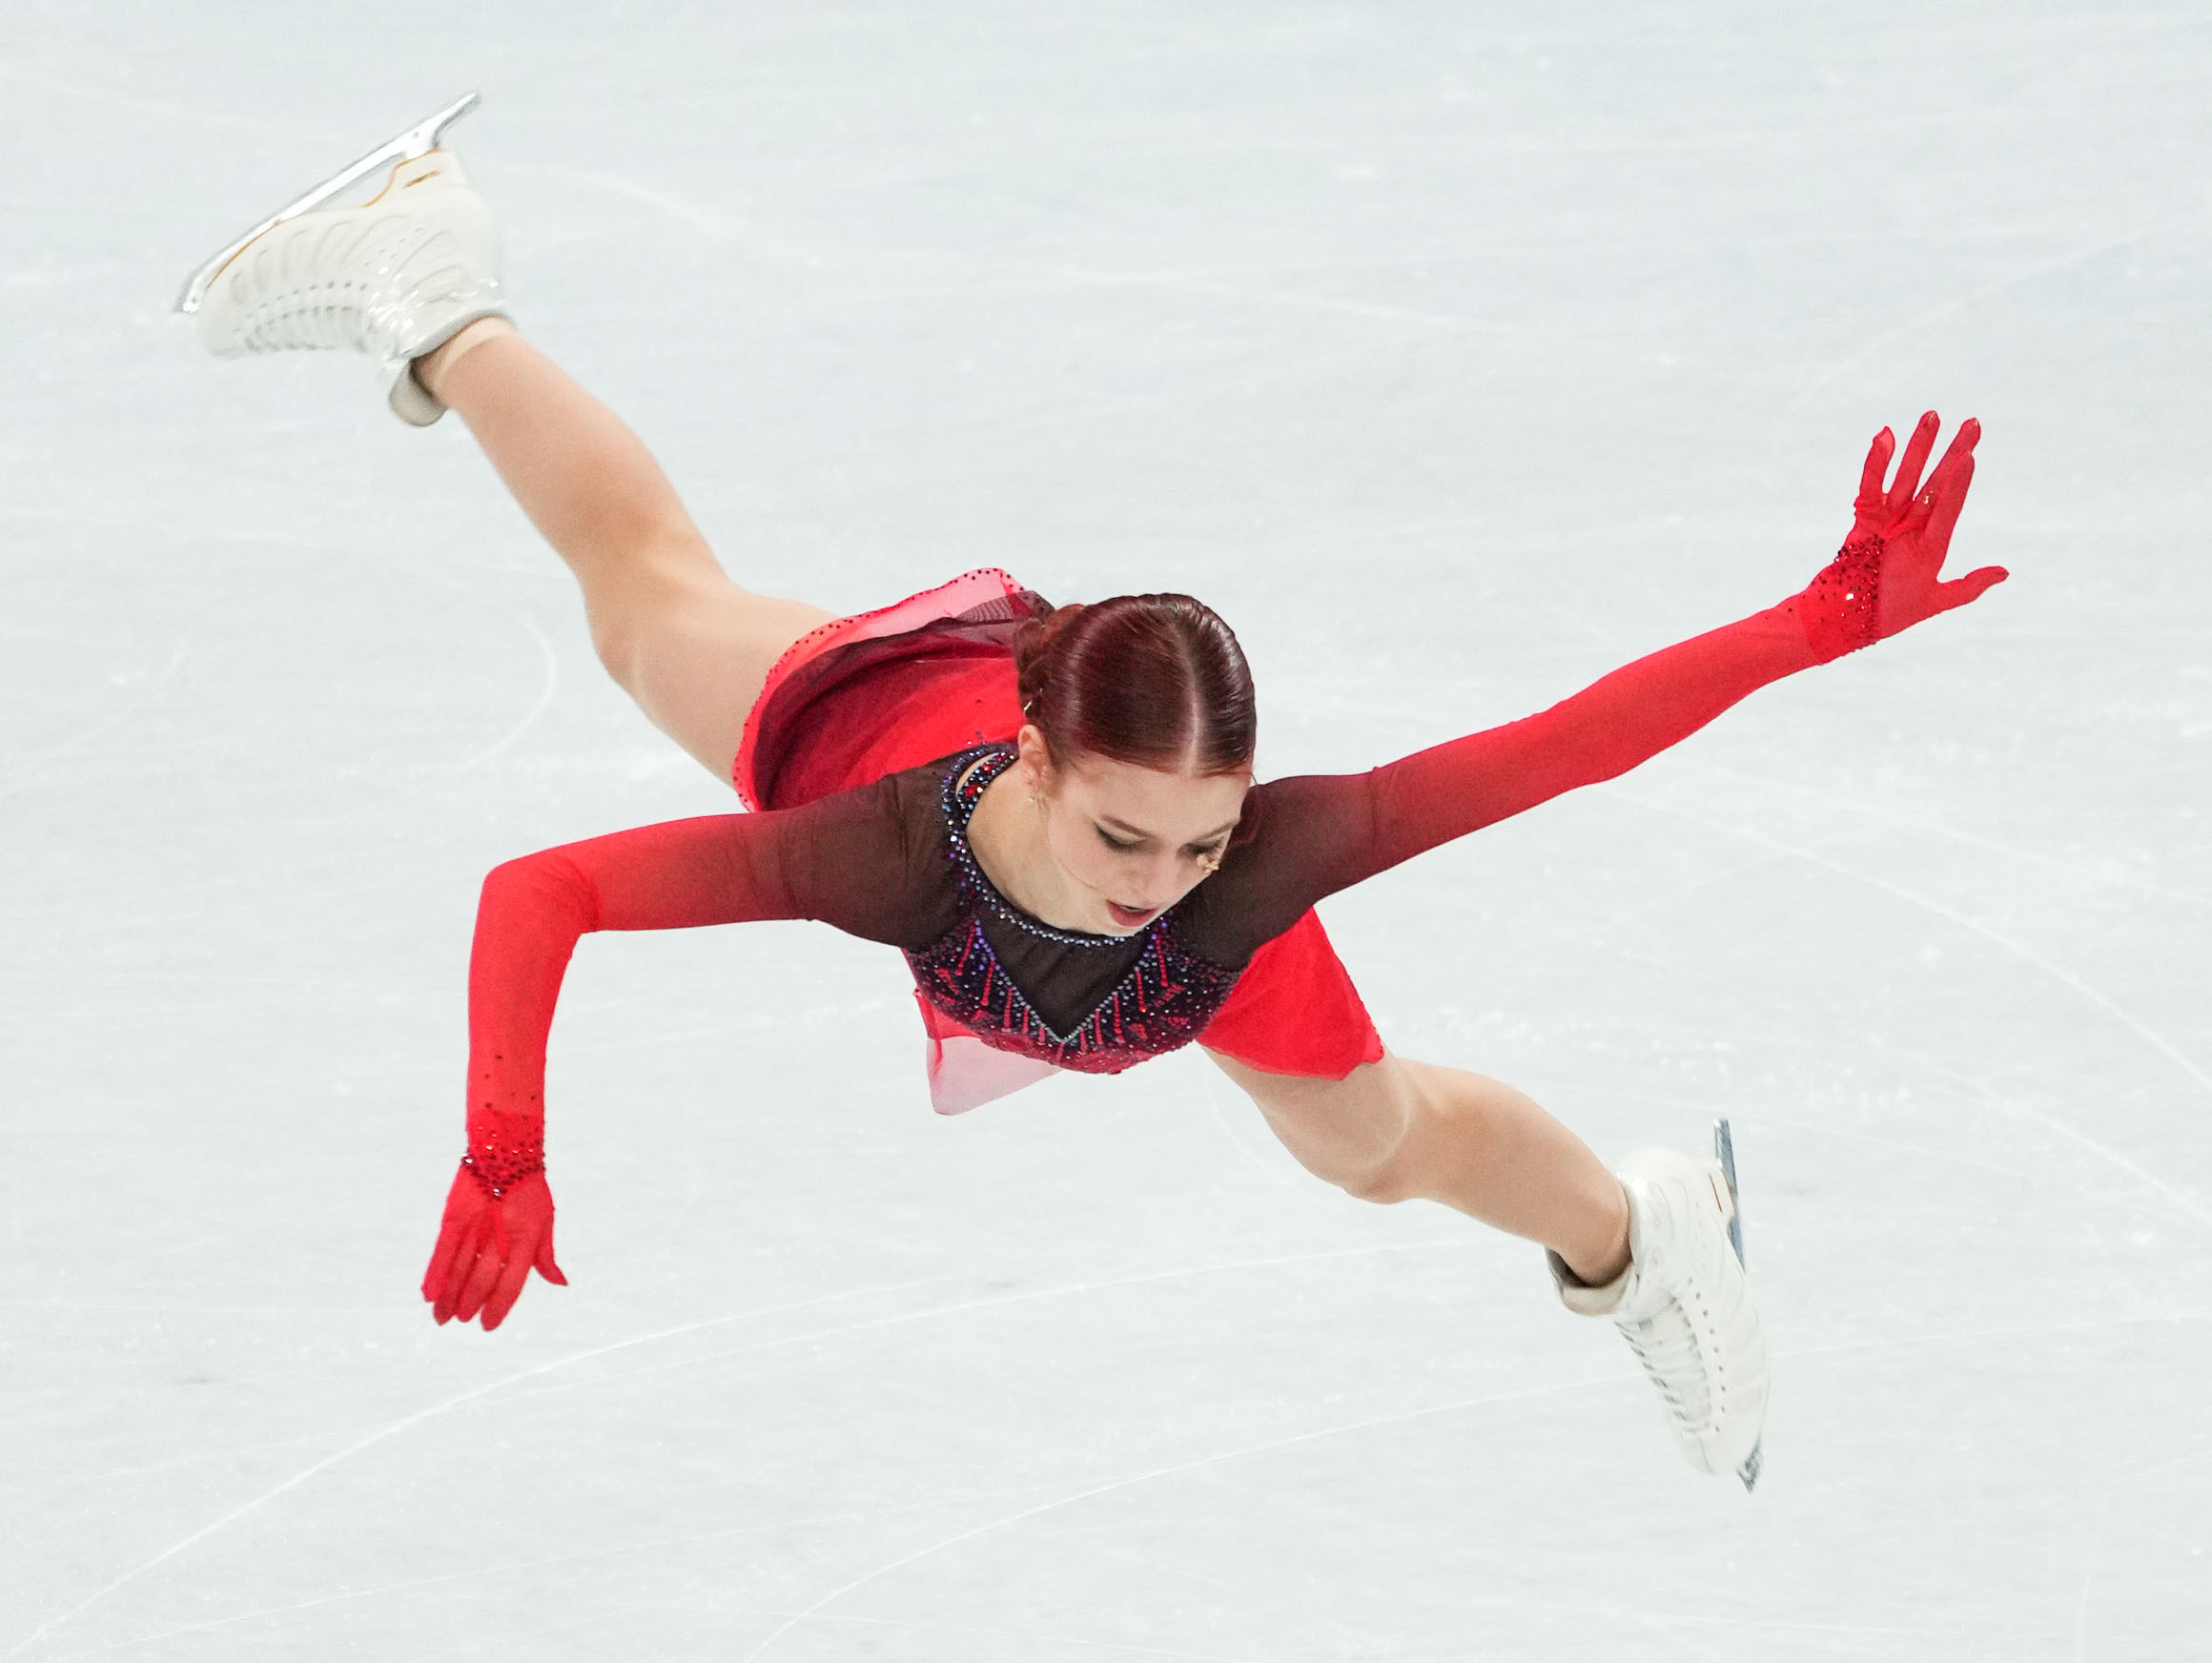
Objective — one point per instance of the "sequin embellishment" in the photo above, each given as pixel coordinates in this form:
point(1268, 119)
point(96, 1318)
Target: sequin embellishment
point(1163, 1002)
point(1845, 611)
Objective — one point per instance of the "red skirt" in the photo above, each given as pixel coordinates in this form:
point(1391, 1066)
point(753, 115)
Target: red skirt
point(880, 692)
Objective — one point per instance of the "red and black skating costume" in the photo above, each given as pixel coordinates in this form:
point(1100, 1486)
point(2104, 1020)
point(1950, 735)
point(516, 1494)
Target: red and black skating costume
point(863, 824)
point(864, 757)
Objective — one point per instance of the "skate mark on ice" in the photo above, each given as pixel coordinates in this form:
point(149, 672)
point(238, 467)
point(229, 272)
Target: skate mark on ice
point(2006, 1105)
point(475, 1393)
point(1951, 308)
point(28, 764)
point(708, 222)
point(550, 663)
point(1937, 828)
point(166, 109)
point(1172, 1471)
point(1700, 1109)
point(2066, 979)
point(478, 1572)
point(394, 1428)
point(990, 1303)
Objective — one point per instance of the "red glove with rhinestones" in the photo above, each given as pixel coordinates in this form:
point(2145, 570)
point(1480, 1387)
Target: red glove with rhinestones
point(498, 1214)
point(498, 1223)
point(1885, 579)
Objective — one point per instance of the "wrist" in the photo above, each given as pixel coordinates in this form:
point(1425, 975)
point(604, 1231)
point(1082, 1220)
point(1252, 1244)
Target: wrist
point(1840, 610)
point(504, 1149)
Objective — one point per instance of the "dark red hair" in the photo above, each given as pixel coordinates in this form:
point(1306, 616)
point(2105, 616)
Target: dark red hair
point(1158, 681)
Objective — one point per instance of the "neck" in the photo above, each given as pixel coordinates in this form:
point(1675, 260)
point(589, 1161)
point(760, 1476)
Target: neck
point(1006, 836)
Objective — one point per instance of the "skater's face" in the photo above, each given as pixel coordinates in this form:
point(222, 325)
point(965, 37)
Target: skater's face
point(1133, 841)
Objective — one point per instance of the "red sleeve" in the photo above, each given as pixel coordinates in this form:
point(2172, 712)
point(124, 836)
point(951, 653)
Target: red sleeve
point(1326, 832)
point(841, 859)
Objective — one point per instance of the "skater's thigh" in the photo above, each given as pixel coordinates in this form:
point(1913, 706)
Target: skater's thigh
point(1348, 1131)
point(694, 649)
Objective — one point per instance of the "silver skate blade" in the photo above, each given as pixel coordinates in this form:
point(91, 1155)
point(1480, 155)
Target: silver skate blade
point(1749, 1471)
point(418, 140)
point(1724, 1150)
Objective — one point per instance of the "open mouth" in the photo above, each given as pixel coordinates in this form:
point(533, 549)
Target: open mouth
point(1126, 916)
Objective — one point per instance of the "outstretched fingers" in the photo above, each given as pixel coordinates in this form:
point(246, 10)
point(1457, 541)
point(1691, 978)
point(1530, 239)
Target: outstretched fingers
point(546, 1268)
point(1970, 588)
point(1870, 497)
point(1938, 511)
point(1916, 458)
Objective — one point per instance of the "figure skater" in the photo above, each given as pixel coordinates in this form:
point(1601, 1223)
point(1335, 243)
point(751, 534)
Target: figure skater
point(1049, 810)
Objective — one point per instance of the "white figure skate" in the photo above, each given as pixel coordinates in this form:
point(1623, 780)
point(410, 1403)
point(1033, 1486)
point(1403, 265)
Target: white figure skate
point(394, 277)
point(1685, 1305)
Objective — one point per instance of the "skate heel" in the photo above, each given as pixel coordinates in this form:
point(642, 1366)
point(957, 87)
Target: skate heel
point(418, 141)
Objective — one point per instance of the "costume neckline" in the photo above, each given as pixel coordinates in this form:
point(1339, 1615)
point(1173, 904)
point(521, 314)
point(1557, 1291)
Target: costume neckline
point(972, 771)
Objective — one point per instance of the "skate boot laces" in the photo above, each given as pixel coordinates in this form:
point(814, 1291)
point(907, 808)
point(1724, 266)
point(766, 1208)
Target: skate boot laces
point(1688, 1313)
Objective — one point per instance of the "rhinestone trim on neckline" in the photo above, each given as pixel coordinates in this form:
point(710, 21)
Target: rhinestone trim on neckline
point(963, 788)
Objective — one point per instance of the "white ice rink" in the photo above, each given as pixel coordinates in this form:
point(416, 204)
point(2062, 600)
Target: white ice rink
point(1457, 354)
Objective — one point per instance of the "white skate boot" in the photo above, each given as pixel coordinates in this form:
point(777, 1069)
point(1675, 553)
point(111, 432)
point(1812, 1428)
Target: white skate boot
point(394, 277)
point(1685, 1305)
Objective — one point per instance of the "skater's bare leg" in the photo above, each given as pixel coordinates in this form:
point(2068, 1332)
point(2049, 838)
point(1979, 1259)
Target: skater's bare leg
point(690, 647)
point(1397, 1130)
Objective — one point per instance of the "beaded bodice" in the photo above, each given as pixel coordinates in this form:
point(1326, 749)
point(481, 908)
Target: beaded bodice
point(1163, 999)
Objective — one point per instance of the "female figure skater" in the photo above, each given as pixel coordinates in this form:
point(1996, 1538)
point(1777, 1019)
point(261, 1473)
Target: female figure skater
point(1050, 811)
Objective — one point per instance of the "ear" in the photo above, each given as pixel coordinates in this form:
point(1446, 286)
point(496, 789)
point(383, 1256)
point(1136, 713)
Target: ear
point(1036, 760)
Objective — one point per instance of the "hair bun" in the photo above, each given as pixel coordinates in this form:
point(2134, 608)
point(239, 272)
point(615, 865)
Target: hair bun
point(1033, 649)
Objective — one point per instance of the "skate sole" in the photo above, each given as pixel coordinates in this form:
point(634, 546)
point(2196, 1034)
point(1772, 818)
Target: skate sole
point(418, 140)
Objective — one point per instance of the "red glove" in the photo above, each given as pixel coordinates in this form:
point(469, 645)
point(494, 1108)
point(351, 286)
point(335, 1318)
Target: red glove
point(1885, 578)
point(498, 1223)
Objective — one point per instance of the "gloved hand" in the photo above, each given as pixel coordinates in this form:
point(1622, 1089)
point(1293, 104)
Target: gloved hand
point(498, 1223)
point(1885, 578)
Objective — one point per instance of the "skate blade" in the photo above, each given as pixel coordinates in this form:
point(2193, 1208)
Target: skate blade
point(1724, 1151)
point(418, 140)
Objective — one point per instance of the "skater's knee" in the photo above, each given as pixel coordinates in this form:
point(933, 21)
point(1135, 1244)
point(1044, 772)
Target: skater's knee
point(1384, 1101)
point(1350, 1132)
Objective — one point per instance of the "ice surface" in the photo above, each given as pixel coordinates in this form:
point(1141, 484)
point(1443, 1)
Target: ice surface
point(1457, 354)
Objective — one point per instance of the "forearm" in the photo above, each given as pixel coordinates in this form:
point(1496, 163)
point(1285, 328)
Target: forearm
point(1620, 720)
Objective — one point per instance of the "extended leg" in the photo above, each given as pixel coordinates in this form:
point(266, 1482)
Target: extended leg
point(690, 647)
point(1397, 1130)
point(1650, 1248)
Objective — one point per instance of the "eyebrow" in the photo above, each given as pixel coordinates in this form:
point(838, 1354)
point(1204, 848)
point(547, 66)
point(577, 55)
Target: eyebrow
point(1140, 831)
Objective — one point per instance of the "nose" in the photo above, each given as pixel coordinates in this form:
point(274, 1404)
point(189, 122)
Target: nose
point(1156, 881)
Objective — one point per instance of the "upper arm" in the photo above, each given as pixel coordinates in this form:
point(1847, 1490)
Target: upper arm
point(840, 859)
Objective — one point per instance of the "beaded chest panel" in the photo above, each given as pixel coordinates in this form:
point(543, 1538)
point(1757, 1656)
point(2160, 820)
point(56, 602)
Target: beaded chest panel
point(1164, 1001)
